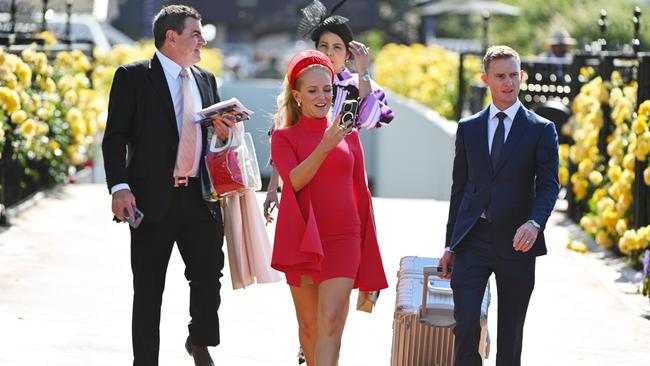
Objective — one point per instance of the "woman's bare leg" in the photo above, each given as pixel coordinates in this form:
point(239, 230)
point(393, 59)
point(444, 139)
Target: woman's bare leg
point(333, 306)
point(305, 300)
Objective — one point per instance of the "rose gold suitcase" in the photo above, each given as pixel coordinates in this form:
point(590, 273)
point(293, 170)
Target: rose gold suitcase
point(424, 317)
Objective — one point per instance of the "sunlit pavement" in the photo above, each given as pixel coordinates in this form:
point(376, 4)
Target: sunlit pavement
point(65, 295)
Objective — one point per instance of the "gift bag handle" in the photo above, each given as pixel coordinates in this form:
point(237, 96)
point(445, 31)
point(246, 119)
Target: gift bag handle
point(214, 142)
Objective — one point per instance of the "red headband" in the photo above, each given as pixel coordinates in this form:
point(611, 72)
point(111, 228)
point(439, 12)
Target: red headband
point(304, 59)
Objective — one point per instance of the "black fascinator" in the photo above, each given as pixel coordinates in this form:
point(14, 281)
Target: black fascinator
point(315, 21)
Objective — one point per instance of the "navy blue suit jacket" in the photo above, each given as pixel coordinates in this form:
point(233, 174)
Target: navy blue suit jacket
point(523, 186)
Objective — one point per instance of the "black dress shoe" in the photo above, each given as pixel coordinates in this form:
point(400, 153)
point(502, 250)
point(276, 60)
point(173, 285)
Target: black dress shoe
point(199, 353)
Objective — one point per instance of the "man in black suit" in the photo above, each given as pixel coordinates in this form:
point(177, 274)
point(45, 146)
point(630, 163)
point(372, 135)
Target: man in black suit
point(505, 182)
point(153, 152)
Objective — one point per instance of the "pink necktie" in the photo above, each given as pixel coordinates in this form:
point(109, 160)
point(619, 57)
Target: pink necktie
point(187, 146)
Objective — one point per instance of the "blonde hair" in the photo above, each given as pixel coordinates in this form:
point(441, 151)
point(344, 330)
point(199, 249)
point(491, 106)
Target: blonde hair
point(288, 112)
point(497, 53)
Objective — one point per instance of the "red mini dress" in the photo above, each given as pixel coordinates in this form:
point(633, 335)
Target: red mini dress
point(326, 230)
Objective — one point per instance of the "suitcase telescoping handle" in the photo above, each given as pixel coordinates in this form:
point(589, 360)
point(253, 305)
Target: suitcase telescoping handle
point(426, 287)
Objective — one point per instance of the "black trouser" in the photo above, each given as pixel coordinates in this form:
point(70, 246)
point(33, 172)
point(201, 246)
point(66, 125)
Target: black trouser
point(200, 239)
point(474, 262)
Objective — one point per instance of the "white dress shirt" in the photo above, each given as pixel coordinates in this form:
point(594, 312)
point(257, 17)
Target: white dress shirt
point(175, 85)
point(493, 121)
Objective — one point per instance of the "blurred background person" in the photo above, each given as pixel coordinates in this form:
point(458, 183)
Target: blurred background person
point(559, 45)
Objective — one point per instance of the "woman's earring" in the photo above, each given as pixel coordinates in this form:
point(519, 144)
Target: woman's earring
point(299, 104)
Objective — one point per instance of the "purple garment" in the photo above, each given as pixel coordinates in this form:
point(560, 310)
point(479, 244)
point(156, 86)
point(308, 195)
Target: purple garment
point(646, 263)
point(373, 109)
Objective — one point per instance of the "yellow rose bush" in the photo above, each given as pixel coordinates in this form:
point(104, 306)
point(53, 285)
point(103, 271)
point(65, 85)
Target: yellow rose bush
point(428, 75)
point(35, 102)
point(607, 185)
point(53, 105)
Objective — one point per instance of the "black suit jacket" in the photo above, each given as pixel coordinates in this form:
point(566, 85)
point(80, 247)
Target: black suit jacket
point(141, 138)
point(523, 186)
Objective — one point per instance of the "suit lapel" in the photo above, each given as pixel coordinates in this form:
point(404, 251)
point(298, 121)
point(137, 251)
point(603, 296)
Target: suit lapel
point(481, 139)
point(204, 87)
point(157, 77)
point(519, 127)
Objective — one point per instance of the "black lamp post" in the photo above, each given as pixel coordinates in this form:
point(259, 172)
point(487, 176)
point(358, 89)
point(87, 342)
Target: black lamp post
point(43, 21)
point(602, 23)
point(13, 16)
point(68, 10)
point(636, 42)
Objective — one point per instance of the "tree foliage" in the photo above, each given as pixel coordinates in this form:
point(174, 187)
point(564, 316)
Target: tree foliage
point(539, 18)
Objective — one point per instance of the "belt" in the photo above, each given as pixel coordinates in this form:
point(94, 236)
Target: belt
point(184, 181)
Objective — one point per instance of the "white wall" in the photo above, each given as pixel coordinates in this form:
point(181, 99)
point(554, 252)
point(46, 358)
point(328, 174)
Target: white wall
point(414, 155)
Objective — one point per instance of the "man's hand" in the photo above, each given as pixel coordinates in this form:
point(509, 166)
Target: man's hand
point(525, 237)
point(221, 125)
point(445, 262)
point(123, 200)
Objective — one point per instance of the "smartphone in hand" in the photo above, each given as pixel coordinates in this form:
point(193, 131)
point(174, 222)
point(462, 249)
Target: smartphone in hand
point(349, 113)
point(135, 221)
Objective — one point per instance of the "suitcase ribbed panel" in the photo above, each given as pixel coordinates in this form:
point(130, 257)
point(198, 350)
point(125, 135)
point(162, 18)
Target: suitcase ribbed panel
point(418, 343)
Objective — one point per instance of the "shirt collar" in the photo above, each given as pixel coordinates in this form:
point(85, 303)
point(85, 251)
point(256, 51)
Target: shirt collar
point(511, 111)
point(171, 67)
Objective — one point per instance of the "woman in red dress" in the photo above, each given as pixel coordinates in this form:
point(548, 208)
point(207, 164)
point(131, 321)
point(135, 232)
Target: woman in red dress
point(325, 240)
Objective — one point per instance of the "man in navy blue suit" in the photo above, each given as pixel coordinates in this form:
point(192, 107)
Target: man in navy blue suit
point(505, 182)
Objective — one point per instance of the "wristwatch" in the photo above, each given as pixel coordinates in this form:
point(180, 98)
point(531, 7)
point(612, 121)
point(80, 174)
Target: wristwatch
point(365, 77)
point(535, 224)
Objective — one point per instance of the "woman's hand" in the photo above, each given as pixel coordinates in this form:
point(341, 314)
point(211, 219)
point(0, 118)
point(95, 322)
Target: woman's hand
point(270, 203)
point(335, 134)
point(361, 56)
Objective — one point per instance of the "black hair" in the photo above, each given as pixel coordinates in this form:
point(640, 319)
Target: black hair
point(171, 17)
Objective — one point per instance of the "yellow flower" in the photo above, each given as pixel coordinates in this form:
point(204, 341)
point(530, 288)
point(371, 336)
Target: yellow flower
point(609, 219)
point(621, 226)
point(640, 125)
point(628, 162)
point(577, 246)
point(49, 37)
point(604, 240)
point(9, 100)
point(585, 167)
point(564, 151)
point(42, 129)
point(587, 224)
point(614, 173)
point(24, 74)
point(18, 117)
point(599, 194)
point(644, 108)
point(605, 203)
point(595, 177)
point(563, 175)
point(28, 128)
point(646, 176)
point(70, 97)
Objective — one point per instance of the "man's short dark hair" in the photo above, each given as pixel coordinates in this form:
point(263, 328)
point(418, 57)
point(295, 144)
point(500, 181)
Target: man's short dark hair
point(498, 53)
point(171, 17)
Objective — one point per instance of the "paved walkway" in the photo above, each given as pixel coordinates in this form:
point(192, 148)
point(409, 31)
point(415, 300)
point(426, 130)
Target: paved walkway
point(65, 296)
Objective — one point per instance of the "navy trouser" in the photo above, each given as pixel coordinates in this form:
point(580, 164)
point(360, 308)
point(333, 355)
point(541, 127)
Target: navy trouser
point(474, 262)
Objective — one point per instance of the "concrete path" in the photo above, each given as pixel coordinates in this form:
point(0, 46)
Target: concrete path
point(65, 296)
